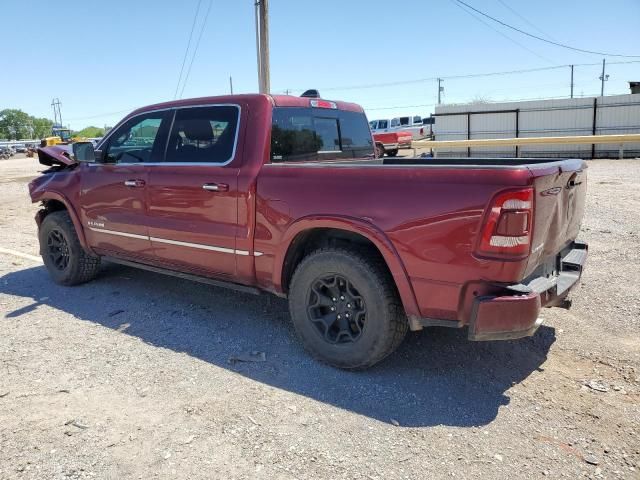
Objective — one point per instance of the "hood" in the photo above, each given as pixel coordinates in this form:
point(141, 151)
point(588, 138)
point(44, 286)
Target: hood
point(56, 155)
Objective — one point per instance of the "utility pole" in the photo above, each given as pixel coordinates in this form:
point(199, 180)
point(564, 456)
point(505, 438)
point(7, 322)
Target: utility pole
point(440, 90)
point(57, 113)
point(231, 84)
point(603, 78)
point(571, 81)
point(262, 44)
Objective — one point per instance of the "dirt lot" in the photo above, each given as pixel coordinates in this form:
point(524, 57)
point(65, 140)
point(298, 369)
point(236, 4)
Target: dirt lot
point(129, 376)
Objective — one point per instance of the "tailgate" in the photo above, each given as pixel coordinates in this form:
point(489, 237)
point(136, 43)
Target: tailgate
point(560, 192)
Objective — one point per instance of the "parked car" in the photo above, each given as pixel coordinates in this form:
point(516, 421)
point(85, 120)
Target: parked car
point(413, 124)
point(282, 194)
point(390, 142)
point(6, 152)
point(400, 124)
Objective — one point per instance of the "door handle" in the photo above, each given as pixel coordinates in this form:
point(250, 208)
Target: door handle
point(216, 187)
point(137, 183)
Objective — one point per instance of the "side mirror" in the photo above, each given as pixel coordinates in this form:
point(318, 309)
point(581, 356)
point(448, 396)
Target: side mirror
point(84, 152)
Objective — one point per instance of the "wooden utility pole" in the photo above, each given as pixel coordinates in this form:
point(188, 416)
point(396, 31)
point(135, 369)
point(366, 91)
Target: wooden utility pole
point(262, 44)
point(603, 78)
point(571, 81)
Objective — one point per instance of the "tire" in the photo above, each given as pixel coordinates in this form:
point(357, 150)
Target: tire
point(66, 261)
point(392, 153)
point(377, 322)
point(380, 150)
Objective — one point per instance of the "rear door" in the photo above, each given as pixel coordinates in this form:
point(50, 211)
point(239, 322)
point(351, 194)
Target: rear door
point(112, 194)
point(193, 193)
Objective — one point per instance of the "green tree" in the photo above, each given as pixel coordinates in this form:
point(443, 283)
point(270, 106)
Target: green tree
point(15, 124)
point(90, 132)
point(41, 127)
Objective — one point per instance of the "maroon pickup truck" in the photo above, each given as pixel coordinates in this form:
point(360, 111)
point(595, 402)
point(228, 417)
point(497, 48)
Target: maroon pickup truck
point(286, 195)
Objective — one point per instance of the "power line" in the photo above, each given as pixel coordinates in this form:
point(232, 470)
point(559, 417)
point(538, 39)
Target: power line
point(186, 51)
point(506, 5)
point(195, 50)
point(456, 77)
point(501, 33)
point(558, 44)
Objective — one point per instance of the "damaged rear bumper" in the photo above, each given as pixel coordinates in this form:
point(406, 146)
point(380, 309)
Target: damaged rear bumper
point(515, 314)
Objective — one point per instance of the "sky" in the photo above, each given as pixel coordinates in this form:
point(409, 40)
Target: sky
point(104, 59)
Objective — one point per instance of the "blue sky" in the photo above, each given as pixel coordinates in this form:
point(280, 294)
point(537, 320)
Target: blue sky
point(103, 59)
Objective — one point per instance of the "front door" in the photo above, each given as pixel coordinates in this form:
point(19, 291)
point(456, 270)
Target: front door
point(193, 194)
point(113, 192)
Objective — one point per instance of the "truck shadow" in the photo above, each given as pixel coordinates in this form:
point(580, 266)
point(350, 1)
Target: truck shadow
point(436, 377)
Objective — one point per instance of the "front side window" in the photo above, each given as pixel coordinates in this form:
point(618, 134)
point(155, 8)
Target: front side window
point(383, 124)
point(308, 134)
point(203, 135)
point(134, 141)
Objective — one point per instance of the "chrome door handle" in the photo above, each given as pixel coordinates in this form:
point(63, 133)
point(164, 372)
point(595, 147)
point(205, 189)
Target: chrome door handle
point(216, 187)
point(137, 183)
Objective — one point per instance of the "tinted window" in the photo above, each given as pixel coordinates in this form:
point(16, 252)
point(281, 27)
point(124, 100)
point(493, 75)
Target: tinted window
point(383, 124)
point(307, 134)
point(417, 119)
point(203, 135)
point(404, 120)
point(134, 142)
point(395, 122)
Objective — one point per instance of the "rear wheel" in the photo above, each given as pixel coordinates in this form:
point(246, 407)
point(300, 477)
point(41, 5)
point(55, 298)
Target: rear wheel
point(345, 309)
point(66, 261)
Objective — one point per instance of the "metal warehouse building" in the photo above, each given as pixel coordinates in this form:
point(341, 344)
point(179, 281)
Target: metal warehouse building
point(616, 114)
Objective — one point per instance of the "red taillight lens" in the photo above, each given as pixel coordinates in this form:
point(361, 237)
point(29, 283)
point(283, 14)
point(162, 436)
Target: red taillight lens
point(507, 226)
point(323, 104)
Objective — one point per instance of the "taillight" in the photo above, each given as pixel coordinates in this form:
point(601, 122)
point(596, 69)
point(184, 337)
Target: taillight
point(507, 226)
point(422, 131)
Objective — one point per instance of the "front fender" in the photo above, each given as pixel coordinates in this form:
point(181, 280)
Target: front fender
point(361, 227)
point(43, 196)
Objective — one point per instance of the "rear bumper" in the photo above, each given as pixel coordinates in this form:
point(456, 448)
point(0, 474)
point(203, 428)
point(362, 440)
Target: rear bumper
point(515, 314)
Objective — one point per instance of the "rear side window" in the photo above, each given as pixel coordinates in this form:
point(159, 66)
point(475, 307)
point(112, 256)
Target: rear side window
point(203, 135)
point(308, 134)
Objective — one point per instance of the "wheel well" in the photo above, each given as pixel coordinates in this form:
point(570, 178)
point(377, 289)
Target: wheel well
point(53, 206)
point(310, 240)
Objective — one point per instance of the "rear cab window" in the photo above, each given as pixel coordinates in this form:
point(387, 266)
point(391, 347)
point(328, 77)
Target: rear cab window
point(315, 134)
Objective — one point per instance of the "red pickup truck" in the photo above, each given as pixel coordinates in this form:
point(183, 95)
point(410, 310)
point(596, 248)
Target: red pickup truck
point(285, 195)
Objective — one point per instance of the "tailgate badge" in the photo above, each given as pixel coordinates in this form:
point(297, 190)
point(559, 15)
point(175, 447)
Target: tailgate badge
point(551, 191)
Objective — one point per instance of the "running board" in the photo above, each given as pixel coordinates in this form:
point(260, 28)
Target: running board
point(186, 276)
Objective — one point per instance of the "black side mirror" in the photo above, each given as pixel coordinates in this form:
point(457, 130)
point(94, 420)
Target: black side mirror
point(84, 152)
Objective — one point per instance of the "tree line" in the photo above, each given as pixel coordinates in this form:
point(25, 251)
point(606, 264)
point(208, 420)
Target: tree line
point(18, 125)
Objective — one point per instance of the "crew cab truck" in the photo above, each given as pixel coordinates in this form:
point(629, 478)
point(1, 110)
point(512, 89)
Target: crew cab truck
point(283, 194)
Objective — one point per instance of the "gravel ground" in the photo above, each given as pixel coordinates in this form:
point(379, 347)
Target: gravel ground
point(130, 376)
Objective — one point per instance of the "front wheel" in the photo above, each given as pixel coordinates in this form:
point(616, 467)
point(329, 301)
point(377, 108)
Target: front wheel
point(392, 153)
point(66, 261)
point(345, 308)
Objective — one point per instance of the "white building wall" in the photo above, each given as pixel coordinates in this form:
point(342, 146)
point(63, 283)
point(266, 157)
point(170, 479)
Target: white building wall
point(616, 114)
